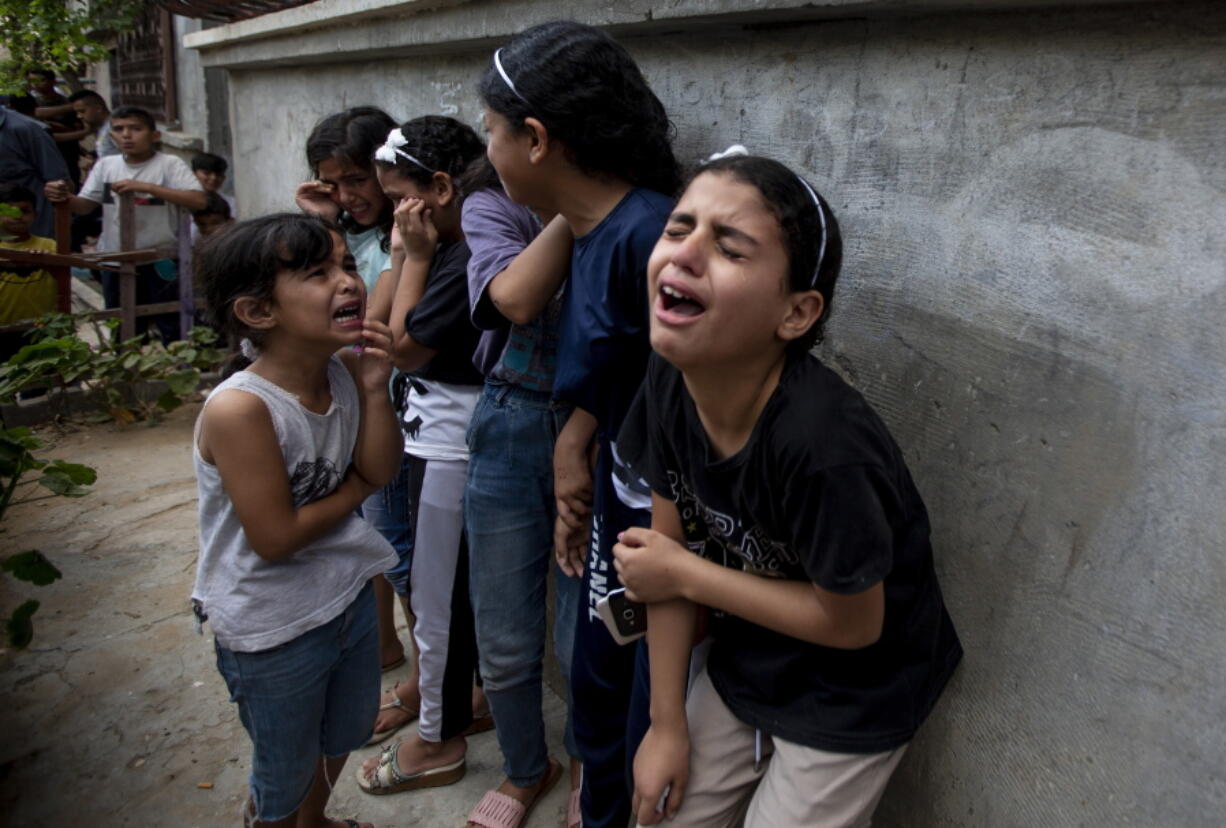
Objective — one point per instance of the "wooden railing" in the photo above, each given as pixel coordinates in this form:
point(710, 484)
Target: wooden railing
point(124, 263)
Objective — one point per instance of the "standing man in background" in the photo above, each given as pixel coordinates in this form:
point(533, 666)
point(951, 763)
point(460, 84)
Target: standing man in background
point(30, 158)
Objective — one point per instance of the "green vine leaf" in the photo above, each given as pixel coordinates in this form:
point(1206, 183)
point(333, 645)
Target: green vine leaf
point(67, 479)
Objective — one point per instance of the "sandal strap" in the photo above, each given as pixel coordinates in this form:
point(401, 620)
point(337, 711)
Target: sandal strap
point(497, 810)
point(396, 703)
point(388, 773)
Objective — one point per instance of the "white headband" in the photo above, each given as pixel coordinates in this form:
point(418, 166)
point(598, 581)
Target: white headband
point(507, 78)
point(392, 147)
point(821, 214)
point(737, 149)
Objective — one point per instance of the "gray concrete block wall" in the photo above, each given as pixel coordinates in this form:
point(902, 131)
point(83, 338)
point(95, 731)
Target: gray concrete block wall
point(1033, 296)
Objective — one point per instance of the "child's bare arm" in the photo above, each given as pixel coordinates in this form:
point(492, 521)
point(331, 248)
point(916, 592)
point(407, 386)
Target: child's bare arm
point(419, 237)
point(191, 199)
point(662, 761)
point(524, 287)
point(237, 436)
point(315, 197)
point(657, 568)
point(572, 470)
point(379, 304)
point(572, 488)
point(57, 191)
point(377, 454)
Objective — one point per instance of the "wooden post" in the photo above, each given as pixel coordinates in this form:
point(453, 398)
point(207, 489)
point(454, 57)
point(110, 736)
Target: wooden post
point(63, 245)
point(187, 298)
point(127, 272)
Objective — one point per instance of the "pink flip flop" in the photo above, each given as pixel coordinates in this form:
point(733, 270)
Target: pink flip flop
point(497, 810)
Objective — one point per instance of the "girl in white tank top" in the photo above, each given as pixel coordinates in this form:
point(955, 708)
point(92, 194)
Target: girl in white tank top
point(285, 451)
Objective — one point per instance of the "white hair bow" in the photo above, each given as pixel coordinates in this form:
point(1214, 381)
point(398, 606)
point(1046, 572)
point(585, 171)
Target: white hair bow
point(392, 147)
point(735, 149)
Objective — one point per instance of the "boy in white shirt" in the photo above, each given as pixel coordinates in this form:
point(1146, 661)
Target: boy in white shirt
point(161, 184)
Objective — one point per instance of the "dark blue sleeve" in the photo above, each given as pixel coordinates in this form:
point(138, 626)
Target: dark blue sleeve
point(605, 338)
point(44, 154)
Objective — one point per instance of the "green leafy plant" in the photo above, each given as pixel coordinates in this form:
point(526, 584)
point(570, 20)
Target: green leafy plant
point(59, 35)
point(59, 479)
point(8, 211)
point(113, 373)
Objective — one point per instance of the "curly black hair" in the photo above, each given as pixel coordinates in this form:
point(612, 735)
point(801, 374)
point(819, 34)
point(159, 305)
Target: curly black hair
point(351, 137)
point(813, 242)
point(590, 95)
point(444, 145)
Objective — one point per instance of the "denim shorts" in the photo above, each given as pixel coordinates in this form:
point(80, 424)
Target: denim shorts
point(317, 694)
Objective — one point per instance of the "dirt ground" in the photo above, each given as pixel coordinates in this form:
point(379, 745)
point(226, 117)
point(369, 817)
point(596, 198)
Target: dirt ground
point(116, 714)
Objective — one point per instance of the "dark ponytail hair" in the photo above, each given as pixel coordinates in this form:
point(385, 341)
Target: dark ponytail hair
point(351, 137)
point(791, 201)
point(244, 259)
point(480, 175)
point(441, 144)
point(590, 95)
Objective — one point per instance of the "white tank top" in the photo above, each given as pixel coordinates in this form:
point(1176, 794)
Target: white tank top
point(253, 604)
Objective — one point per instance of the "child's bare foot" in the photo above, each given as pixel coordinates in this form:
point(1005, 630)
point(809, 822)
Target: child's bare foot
point(391, 659)
point(412, 764)
point(481, 706)
point(482, 719)
point(574, 817)
point(397, 708)
point(416, 755)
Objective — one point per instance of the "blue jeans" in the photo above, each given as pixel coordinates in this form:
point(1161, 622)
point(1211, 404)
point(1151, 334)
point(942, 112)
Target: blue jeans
point(316, 694)
point(509, 514)
point(388, 511)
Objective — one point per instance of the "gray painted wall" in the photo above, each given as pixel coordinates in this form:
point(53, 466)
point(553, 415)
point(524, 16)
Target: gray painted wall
point(1033, 296)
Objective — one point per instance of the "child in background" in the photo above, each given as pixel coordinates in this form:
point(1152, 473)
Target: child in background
point(285, 451)
point(420, 167)
point(162, 185)
point(509, 509)
point(345, 190)
point(26, 291)
point(214, 216)
point(575, 130)
point(782, 504)
point(210, 171)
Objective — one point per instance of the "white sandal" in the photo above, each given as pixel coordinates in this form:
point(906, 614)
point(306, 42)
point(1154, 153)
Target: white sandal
point(389, 779)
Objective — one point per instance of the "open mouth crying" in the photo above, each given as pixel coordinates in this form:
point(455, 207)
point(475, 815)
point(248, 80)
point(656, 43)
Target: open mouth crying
point(678, 303)
point(348, 313)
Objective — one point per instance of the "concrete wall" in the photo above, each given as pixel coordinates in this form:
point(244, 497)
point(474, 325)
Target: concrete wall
point(203, 102)
point(1033, 297)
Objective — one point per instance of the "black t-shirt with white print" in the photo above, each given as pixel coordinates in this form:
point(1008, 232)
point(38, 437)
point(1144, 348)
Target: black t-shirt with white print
point(819, 493)
point(440, 319)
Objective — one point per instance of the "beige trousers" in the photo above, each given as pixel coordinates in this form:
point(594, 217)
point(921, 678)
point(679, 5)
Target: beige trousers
point(794, 787)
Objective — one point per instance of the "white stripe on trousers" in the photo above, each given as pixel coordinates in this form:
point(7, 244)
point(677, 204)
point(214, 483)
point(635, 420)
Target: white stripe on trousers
point(432, 580)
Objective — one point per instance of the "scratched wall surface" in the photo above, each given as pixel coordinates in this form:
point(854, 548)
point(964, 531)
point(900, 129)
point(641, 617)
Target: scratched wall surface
point(1033, 296)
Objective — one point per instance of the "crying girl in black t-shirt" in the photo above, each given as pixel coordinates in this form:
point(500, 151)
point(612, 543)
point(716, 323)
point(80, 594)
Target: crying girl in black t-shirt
point(781, 505)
